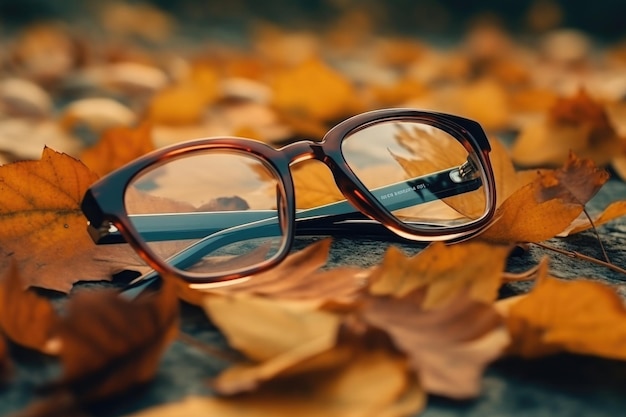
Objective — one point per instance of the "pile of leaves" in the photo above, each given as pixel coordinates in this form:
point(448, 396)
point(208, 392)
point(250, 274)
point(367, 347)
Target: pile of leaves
point(313, 341)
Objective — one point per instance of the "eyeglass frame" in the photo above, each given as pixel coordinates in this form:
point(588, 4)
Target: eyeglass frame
point(104, 202)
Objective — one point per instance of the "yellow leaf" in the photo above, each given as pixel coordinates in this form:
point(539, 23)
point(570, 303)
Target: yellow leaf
point(583, 317)
point(545, 207)
point(118, 146)
point(314, 185)
point(443, 271)
point(611, 212)
point(313, 90)
point(42, 228)
point(372, 383)
point(26, 318)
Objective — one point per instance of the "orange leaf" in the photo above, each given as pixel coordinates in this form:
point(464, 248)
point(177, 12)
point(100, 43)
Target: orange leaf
point(583, 317)
point(444, 272)
point(579, 124)
point(296, 278)
point(26, 318)
point(611, 212)
point(118, 146)
point(42, 228)
point(110, 344)
point(314, 90)
point(314, 185)
point(465, 333)
point(372, 383)
point(542, 209)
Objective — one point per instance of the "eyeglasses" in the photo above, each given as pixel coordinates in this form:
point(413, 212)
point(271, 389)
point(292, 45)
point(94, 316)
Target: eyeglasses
point(218, 209)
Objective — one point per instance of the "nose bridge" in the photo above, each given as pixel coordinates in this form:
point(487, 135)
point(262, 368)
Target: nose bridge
point(303, 150)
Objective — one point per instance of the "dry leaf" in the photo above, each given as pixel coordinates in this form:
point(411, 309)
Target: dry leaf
point(118, 146)
point(96, 114)
point(20, 97)
point(448, 347)
point(313, 90)
point(581, 316)
point(613, 211)
point(544, 208)
point(578, 124)
point(110, 344)
point(372, 383)
point(276, 335)
point(25, 317)
point(42, 228)
point(298, 277)
point(473, 268)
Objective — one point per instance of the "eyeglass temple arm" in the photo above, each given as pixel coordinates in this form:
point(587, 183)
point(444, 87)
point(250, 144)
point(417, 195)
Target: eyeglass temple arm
point(333, 218)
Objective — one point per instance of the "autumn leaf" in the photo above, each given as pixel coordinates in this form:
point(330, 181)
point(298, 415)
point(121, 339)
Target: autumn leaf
point(313, 90)
point(42, 228)
point(443, 271)
point(545, 207)
point(25, 317)
point(372, 383)
point(581, 316)
point(577, 124)
point(447, 347)
point(314, 185)
point(613, 211)
point(110, 344)
point(298, 277)
point(283, 335)
point(118, 146)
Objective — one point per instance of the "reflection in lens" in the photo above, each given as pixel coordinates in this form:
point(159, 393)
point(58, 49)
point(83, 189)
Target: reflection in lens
point(420, 173)
point(213, 211)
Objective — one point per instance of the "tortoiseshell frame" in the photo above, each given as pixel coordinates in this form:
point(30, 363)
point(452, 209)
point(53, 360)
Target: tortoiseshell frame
point(103, 202)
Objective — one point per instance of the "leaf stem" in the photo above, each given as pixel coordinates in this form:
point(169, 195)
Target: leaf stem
point(578, 255)
point(593, 226)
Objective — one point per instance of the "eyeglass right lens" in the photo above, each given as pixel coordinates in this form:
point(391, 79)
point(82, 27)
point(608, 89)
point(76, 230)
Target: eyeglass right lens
point(210, 212)
point(424, 176)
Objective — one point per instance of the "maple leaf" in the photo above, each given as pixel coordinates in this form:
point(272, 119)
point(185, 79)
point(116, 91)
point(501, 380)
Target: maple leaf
point(579, 124)
point(545, 207)
point(298, 277)
point(25, 317)
point(103, 353)
point(443, 271)
point(42, 228)
point(582, 316)
point(447, 347)
point(372, 383)
point(118, 146)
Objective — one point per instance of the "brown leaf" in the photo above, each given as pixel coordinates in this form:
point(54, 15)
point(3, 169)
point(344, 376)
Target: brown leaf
point(545, 207)
point(372, 383)
point(110, 344)
point(448, 347)
point(26, 318)
point(581, 316)
point(42, 228)
point(118, 146)
point(298, 277)
point(444, 271)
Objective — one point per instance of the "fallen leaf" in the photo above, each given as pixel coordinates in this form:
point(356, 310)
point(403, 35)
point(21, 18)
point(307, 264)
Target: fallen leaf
point(581, 316)
point(19, 97)
point(298, 277)
point(43, 230)
point(444, 271)
point(118, 146)
point(313, 90)
point(372, 383)
point(613, 211)
point(447, 347)
point(110, 344)
point(25, 138)
point(26, 318)
point(96, 114)
point(545, 207)
point(576, 124)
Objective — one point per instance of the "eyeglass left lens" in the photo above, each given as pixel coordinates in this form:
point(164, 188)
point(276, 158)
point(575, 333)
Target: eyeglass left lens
point(211, 212)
